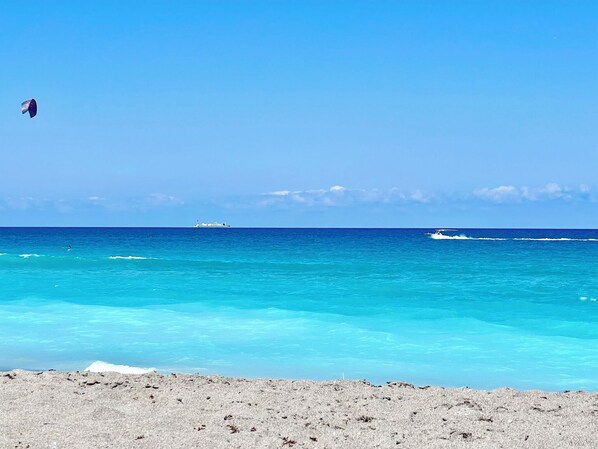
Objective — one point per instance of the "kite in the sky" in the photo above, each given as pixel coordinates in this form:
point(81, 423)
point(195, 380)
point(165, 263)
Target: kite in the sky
point(29, 106)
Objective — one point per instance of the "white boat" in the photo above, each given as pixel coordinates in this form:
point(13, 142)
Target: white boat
point(211, 225)
point(446, 234)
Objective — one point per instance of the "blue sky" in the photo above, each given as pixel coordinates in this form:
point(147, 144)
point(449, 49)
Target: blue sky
point(304, 113)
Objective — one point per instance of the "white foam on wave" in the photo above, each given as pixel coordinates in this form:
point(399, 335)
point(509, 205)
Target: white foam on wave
point(129, 258)
point(486, 238)
point(436, 236)
point(561, 239)
point(104, 367)
point(461, 237)
point(448, 237)
point(25, 256)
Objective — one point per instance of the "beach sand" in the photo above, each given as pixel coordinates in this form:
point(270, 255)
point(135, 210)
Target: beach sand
point(110, 410)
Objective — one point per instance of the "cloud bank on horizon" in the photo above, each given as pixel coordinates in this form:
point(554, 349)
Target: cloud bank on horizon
point(337, 205)
point(342, 196)
point(548, 192)
point(332, 197)
point(338, 195)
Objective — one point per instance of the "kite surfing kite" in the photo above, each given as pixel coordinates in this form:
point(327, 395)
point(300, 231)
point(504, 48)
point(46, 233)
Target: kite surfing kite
point(29, 106)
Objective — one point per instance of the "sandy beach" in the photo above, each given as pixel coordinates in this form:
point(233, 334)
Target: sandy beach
point(110, 410)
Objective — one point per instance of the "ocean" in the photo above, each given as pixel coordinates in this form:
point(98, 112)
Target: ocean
point(486, 308)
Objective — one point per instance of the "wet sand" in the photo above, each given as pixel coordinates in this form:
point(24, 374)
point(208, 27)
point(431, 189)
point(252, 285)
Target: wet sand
point(109, 410)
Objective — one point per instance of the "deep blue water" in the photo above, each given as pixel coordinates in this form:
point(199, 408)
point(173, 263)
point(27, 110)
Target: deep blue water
point(376, 304)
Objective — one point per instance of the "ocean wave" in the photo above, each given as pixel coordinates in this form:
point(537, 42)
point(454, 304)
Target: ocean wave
point(25, 256)
point(130, 258)
point(103, 367)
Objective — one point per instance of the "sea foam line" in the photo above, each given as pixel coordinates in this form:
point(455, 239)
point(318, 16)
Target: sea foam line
point(25, 256)
point(103, 367)
point(130, 258)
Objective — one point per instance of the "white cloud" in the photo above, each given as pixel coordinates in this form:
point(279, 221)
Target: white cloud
point(550, 191)
point(23, 203)
point(151, 201)
point(338, 195)
point(31, 203)
point(499, 194)
point(161, 199)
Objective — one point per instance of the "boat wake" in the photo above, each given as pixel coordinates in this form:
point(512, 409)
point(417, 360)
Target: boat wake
point(461, 237)
point(440, 236)
point(563, 239)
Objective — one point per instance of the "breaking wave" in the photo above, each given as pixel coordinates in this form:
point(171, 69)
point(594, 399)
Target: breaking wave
point(130, 258)
point(103, 367)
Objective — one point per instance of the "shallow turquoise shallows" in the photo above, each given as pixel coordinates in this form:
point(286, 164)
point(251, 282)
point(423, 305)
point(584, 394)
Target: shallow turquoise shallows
point(492, 308)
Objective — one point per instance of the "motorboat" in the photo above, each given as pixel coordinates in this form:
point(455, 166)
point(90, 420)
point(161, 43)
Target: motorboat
point(444, 234)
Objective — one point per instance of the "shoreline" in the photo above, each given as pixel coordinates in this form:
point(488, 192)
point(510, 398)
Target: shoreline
point(85, 409)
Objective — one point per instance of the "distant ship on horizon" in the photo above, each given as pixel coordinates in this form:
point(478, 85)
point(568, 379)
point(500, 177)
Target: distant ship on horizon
point(211, 225)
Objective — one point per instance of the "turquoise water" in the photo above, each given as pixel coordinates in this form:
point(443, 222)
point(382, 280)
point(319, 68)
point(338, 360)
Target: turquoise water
point(380, 305)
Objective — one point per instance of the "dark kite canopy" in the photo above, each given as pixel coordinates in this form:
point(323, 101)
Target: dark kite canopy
point(29, 106)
